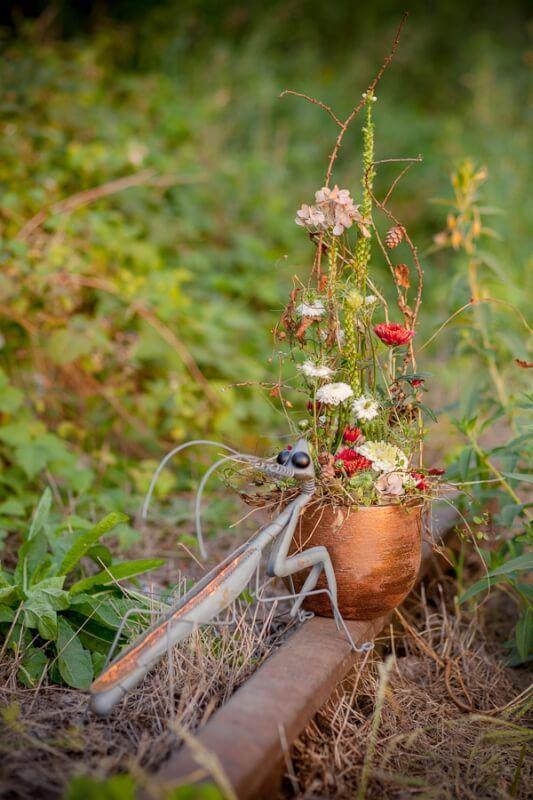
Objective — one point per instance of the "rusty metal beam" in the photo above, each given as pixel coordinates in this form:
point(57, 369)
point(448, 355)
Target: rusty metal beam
point(248, 734)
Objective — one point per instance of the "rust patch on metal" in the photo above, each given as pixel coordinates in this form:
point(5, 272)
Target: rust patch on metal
point(127, 661)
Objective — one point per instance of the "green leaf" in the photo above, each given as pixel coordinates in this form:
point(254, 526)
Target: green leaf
point(32, 458)
point(10, 399)
point(480, 586)
point(12, 508)
point(38, 613)
point(86, 540)
point(127, 569)
point(32, 668)
point(118, 787)
point(65, 346)
point(30, 556)
point(524, 634)
point(464, 463)
point(16, 433)
point(100, 554)
point(8, 593)
point(6, 614)
point(51, 591)
point(97, 607)
point(99, 660)
point(428, 412)
point(41, 514)
point(74, 662)
point(524, 477)
point(520, 564)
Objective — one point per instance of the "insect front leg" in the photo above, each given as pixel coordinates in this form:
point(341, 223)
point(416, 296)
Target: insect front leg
point(316, 558)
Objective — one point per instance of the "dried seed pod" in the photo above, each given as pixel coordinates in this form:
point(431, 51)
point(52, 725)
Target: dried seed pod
point(394, 236)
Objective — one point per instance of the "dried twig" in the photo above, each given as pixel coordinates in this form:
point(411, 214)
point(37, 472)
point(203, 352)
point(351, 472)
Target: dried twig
point(315, 102)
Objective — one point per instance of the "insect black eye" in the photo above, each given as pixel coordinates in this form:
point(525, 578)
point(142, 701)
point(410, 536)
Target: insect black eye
point(283, 457)
point(301, 460)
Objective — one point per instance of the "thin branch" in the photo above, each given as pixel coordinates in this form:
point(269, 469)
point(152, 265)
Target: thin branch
point(315, 102)
point(370, 91)
point(414, 251)
point(400, 176)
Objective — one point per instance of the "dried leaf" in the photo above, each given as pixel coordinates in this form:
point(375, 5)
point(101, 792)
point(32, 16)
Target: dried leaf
point(303, 326)
point(401, 272)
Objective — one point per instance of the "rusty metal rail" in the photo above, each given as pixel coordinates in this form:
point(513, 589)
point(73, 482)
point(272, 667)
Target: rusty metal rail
point(249, 734)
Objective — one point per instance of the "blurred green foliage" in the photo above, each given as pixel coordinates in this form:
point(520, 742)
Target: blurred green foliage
point(124, 311)
point(56, 619)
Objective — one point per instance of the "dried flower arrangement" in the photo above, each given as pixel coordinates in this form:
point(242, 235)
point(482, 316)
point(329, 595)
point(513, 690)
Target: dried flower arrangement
point(353, 360)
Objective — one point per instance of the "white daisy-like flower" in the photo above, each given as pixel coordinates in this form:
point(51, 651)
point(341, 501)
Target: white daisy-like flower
point(311, 370)
point(333, 394)
point(385, 457)
point(365, 408)
point(315, 309)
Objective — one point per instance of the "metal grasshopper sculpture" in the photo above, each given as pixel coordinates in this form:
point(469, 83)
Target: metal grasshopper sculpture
point(223, 584)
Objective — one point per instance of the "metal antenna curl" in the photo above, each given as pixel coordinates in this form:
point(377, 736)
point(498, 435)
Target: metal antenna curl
point(164, 461)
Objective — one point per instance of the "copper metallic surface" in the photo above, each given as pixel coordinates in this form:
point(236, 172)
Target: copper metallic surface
point(375, 551)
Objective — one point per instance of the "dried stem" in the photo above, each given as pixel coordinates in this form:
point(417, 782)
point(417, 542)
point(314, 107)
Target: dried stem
point(370, 90)
point(315, 102)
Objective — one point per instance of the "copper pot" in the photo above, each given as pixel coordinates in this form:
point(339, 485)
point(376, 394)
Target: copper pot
point(375, 551)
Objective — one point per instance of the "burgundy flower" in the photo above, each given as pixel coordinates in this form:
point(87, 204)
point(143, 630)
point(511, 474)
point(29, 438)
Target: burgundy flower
point(311, 407)
point(436, 471)
point(417, 382)
point(393, 334)
point(351, 434)
point(352, 462)
point(421, 482)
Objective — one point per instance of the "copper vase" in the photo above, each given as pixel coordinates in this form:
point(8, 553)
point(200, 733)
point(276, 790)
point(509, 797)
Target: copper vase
point(375, 550)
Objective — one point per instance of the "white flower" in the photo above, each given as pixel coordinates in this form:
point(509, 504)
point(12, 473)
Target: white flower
point(370, 299)
point(385, 457)
point(315, 309)
point(311, 370)
point(365, 408)
point(332, 394)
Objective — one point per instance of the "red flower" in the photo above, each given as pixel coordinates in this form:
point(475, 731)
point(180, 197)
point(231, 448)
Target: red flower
point(417, 382)
point(351, 434)
point(393, 334)
point(421, 483)
point(436, 471)
point(352, 462)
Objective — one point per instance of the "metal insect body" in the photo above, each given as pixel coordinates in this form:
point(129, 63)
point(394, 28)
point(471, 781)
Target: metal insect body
point(220, 587)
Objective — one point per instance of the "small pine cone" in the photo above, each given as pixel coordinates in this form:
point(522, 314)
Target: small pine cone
point(327, 469)
point(394, 237)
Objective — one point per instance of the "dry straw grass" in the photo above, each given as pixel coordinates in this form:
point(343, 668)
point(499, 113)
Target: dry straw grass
point(47, 736)
point(393, 730)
